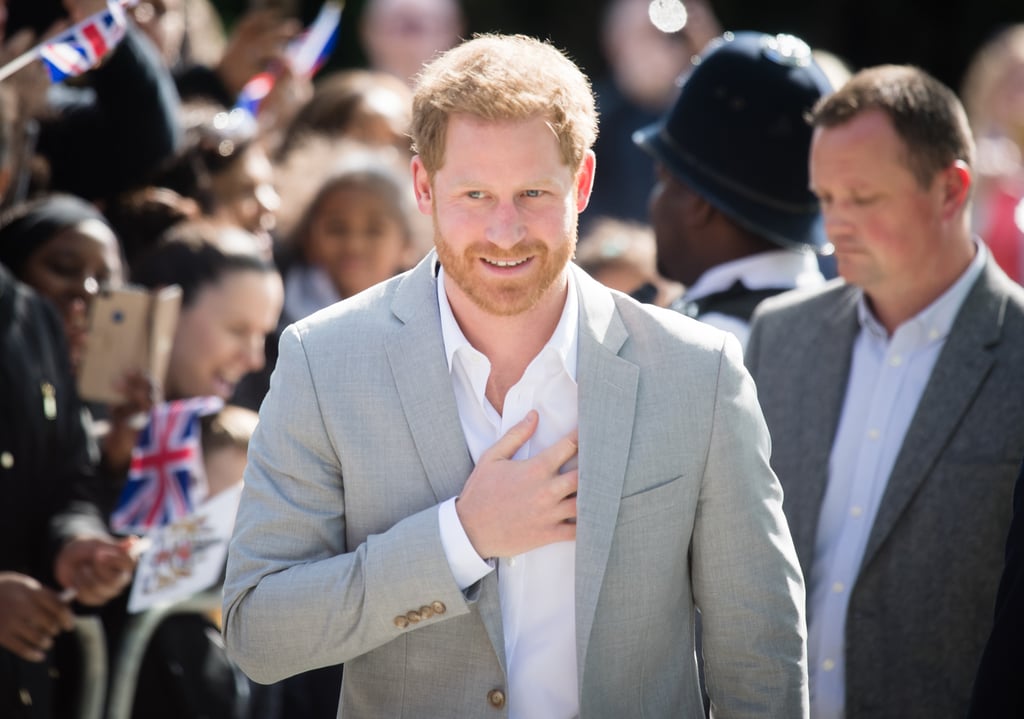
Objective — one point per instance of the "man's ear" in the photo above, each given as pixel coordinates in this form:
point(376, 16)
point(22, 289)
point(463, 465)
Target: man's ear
point(422, 186)
point(585, 180)
point(956, 186)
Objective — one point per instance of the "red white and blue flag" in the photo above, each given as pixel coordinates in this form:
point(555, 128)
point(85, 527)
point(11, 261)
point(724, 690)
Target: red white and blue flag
point(80, 48)
point(166, 477)
point(306, 54)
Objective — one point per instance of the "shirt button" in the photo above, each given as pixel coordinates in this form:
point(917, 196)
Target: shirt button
point(896, 360)
point(511, 561)
point(828, 665)
point(496, 698)
point(856, 511)
point(6, 460)
point(838, 587)
point(874, 434)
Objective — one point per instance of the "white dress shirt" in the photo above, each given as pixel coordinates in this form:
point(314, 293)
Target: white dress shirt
point(887, 378)
point(537, 589)
point(789, 269)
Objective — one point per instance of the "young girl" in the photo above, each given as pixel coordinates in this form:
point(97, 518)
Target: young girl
point(360, 227)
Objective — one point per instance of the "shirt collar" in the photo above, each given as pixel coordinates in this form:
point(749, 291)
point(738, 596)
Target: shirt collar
point(563, 340)
point(764, 270)
point(934, 321)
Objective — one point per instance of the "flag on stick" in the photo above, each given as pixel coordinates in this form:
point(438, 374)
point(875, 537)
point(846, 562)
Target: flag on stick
point(166, 476)
point(79, 48)
point(305, 54)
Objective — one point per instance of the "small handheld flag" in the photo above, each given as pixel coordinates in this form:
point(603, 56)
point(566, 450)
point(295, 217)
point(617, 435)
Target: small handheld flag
point(309, 51)
point(166, 475)
point(305, 54)
point(78, 49)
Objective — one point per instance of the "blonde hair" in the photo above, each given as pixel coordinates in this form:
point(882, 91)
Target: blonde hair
point(503, 77)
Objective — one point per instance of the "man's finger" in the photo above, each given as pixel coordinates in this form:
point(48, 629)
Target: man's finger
point(512, 440)
point(560, 452)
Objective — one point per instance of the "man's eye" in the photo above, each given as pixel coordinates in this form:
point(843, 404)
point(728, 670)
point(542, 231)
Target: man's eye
point(533, 193)
point(475, 194)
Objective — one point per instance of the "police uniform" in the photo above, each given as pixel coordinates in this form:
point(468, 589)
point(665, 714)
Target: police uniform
point(737, 137)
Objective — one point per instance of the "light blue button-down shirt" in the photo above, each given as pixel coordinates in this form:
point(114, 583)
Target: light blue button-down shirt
point(887, 378)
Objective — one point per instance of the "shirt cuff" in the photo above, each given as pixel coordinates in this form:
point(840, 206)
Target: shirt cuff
point(466, 565)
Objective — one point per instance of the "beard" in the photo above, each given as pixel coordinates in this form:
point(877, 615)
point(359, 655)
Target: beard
point(514, 295)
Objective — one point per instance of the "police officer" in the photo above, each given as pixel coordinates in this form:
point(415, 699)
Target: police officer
point(732, 213)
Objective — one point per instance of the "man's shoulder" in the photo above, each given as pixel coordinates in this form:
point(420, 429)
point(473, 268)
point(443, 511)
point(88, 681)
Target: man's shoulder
point(996, 283)
point(995, 300)
point(658, 329)
point(806, 301)
point(362, 314)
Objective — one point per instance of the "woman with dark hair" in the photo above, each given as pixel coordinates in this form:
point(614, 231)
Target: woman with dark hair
point(64, 248)
point(231, 300)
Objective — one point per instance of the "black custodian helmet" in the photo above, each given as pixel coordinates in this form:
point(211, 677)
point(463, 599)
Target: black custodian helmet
point(738, 135)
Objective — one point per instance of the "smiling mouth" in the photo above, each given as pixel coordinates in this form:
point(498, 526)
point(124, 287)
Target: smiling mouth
point(506, 263)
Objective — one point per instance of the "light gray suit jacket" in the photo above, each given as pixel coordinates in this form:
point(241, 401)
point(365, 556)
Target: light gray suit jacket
point(921, 609)
point(359, 440)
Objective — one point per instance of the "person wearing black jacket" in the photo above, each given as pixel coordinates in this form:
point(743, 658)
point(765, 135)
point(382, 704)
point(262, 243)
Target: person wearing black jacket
point(113, 133)
point(102, 133)
point(998, 691)
point(53, 543)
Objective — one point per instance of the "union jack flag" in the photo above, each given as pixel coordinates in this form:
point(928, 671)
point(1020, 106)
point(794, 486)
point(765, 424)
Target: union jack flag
point(166, 475)
point(79, 49)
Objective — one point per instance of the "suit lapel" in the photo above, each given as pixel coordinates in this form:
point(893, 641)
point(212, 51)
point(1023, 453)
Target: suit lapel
point(416, 354)
point(958, 374)
point(607, 403)
point(417, 357)
point(831, 345)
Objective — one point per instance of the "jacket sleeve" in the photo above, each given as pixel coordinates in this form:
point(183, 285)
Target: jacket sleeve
point(747, 581)
point(296, 595)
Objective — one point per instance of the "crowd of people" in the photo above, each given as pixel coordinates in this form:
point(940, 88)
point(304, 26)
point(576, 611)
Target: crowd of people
point(688, 389)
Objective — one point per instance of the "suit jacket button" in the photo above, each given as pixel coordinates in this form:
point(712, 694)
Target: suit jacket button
point(413, 616)
point(401, 622)
point(496, 698)
point(426, 612)
point(438, 607)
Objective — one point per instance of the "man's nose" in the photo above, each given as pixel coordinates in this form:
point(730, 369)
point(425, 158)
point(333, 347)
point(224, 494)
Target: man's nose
point(506, 228)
